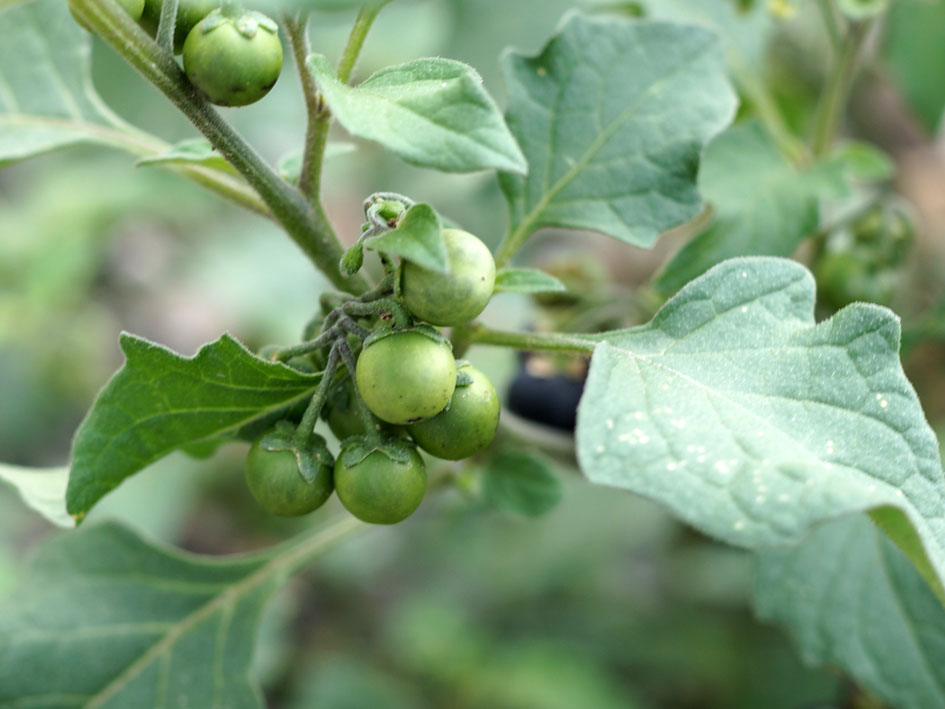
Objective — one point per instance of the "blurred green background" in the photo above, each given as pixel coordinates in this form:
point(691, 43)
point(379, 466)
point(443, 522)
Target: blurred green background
point(603, 602)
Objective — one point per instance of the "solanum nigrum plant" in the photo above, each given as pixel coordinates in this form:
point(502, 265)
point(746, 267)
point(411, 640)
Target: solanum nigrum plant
point(704, 381)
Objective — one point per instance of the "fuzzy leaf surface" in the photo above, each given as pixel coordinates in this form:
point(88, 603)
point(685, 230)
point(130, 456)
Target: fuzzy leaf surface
point(417, 238)
point(612, 117)
point(46, 97)
point(850, 597)
point(431, 112)
point(754, 423)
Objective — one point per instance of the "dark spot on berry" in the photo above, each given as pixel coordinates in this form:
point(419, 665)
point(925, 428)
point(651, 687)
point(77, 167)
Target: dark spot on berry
point(415, 419)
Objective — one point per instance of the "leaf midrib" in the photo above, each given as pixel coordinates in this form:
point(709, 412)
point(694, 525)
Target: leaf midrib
point(530, 221)
point(291, 558)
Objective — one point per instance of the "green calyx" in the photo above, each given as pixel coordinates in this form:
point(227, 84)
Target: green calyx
point(357, 448)
point(310, 455)
point(431, 333)
point(246, 22)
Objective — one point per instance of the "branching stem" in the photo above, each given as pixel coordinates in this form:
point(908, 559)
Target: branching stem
point(307, 225)
point(306, 427)
point(837, 89)
point(319, 117)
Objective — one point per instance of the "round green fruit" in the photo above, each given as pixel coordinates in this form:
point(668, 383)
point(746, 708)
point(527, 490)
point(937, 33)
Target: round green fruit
point(378, 488)
point(233, 59)
point(456, 297)
point(133, 7)
point(189, 13)
point(274, 480)
point(467, 425)
point(406, 377)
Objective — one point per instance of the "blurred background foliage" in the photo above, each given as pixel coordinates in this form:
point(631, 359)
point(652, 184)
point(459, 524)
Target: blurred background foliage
point(603, 602)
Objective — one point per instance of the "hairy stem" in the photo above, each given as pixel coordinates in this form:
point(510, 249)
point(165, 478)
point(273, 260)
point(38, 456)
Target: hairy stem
point(296, 29)
point(319, 117)
point(551, 341)
point(307, 226)
point(310, 417)
point(356, 39)
point(836, 90)
point(284, 355)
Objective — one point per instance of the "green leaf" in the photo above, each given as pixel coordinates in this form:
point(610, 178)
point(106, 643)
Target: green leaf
point(106, 619)
point(755, 424)
point(160, 401)
point(849, 597)
point(763, 205)
point(864, 162)
point(46, 97)
point(521, 482)
point(43, 489)
point(612, 116)
point(431, 112)
point(915, 56)
point(190, 152)
point(417, 238)
point(526, 280)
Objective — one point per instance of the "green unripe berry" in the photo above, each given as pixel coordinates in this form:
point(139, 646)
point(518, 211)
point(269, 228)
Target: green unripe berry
point(456, 297)
point(274, 479)
point(377, 488)
point(406, 377)
point(233, 59)
point(467, 425)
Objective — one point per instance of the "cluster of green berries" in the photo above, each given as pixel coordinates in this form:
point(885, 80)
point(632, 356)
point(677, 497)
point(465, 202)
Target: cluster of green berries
point(233, 57)
point(415, 393)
